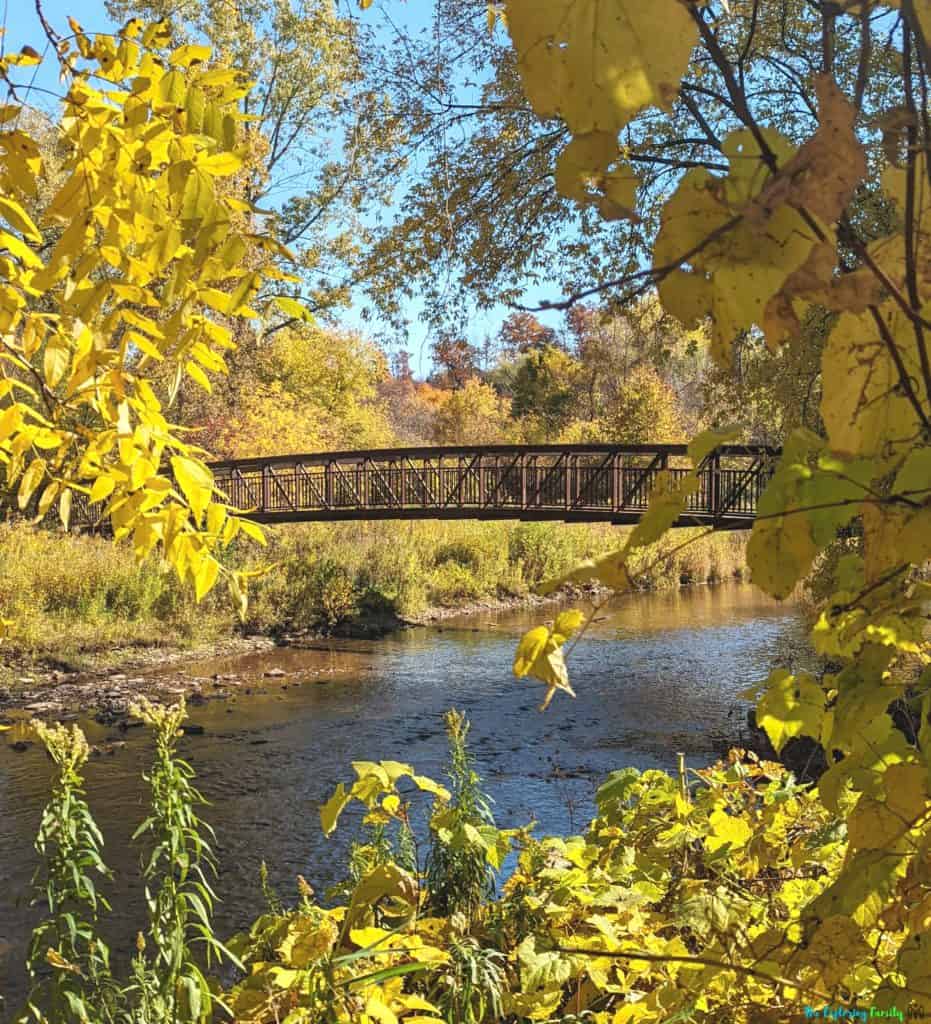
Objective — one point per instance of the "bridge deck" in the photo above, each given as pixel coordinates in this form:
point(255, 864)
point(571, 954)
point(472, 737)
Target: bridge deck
point(571, 483)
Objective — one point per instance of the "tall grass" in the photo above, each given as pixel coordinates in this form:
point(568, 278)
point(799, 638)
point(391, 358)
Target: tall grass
point(406, 568)
point(70, 597)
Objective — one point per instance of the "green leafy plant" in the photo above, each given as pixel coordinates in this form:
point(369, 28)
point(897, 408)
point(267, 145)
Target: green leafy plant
point(178, 894)
point(460, 875)
point(470, 987)
point(68, 962)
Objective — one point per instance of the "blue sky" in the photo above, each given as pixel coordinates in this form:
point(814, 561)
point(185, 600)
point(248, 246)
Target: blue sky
point(23, 27)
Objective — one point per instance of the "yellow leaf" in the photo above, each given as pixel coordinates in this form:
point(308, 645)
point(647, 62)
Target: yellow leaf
point(668, 500)
point(30, 481)
point(47, 497)
point(144, 323)
point(64, 507)
point(198, 199)
point(727, 830)
point(197, 374)
point(220, 164)
point(102, 488)
point(568, 622)
point(863, 406)
point(872, 825)
point(293, 308)
point(378, 1011)
point(20, 250)
point(206, 577)
point(737, 272)
point(243, 292)
point(598, 63)
point(185, 56)
point(239, 595)
point(27, 57)
point(253, 530)
point(196, 483)
point(610, 570)
point(704, 444)
point(790, 706)
point(539, 655)
point(56, 360)
point(331, 810)
point(144, 345)
point(529, 649)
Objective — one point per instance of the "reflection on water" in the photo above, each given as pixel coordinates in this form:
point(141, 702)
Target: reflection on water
point(656, 674)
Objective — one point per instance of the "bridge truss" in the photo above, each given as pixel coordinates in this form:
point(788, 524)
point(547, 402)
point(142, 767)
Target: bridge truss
point(572, 483)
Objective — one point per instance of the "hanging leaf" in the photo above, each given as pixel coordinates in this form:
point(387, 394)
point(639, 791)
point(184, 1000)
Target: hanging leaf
point(598, 63)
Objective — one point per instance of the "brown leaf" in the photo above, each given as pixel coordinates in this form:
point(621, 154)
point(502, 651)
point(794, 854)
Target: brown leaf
point(822, 175)
point(815, 282)
point(894, 125)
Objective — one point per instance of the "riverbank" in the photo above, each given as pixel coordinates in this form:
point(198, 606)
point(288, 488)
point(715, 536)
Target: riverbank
point(105, 690)
point(87, 620)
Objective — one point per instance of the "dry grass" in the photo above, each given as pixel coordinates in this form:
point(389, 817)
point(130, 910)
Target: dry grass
point(71, 598)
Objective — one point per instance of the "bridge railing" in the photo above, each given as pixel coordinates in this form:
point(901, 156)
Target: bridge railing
point(598, 481)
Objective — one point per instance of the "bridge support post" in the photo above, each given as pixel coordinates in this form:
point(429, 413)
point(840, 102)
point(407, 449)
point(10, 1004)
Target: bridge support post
point(266, 487)
point(617, 488)
point(715, 485)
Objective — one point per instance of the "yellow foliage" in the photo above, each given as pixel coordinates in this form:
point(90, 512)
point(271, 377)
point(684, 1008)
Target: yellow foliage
point(145, 251)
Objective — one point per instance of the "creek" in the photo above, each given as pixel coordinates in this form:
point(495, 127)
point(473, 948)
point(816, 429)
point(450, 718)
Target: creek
point(657, 673)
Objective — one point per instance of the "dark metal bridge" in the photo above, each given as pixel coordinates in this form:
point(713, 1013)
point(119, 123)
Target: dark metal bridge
point(572, 483)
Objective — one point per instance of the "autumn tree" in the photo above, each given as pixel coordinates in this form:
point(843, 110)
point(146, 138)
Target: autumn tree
point(310, 120)
point(472, 414)
point(308, 389)
point(484, 218)
point(542, 384)
point(136, 258)
point(456, 361)
point(521, 333)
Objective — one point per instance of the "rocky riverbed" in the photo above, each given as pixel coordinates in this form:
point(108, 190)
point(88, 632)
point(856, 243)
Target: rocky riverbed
point(104, 692)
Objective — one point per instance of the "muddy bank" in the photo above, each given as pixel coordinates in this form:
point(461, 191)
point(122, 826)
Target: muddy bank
point(163, 673)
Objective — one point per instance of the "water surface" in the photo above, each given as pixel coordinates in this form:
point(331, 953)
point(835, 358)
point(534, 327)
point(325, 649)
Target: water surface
point(658, 673)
